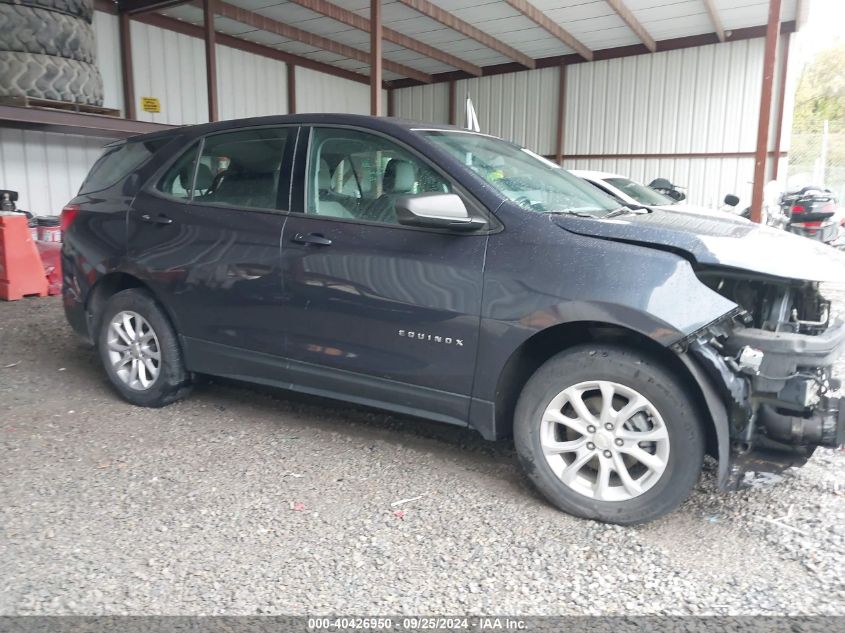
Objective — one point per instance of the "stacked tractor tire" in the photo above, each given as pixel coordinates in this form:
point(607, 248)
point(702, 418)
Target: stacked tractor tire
point(47, 51)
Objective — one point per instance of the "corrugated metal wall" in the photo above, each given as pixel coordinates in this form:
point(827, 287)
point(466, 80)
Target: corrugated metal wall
point(45, 169)
point(171, 67)
point(690, 101)
point(521, 107)
point(249, 85)
point(423, 103)
point(319, 92)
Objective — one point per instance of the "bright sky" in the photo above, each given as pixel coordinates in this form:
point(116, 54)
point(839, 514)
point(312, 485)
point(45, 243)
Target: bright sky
point(825, 22)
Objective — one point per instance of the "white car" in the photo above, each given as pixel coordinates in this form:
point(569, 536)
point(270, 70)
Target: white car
point(633, 194)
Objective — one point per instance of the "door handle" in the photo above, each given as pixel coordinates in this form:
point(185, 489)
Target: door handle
point(159, 219)
point(311, 238)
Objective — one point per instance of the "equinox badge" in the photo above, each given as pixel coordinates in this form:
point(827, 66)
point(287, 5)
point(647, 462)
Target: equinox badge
point(422, 336)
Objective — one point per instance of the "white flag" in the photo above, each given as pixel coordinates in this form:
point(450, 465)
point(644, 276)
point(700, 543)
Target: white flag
point(471, 117)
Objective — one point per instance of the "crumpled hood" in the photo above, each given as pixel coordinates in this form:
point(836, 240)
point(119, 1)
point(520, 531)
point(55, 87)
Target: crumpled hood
point(720, 241)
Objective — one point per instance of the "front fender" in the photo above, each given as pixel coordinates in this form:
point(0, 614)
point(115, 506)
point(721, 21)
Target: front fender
point(559, 278)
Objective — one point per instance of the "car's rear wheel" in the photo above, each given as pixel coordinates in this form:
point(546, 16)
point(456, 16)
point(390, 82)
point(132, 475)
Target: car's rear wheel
point(606, 433)
point(140, 351)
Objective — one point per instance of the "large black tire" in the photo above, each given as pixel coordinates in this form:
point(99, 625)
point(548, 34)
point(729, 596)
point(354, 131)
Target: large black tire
point(49, 77)
point(173, 381)
point(627, 367)
point(77, 8)
point(30, 30)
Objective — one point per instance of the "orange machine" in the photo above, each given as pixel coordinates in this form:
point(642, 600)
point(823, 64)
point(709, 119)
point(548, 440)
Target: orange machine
point(21, 271)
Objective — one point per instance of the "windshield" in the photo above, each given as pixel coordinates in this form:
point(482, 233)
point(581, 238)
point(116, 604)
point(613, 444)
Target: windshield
point(522, 176)
point(640, 193)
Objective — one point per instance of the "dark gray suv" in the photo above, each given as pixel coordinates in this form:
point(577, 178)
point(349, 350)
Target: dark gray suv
point(458, 277)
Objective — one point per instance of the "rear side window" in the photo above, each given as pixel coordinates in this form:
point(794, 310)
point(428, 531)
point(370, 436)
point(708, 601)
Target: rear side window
point(179, 179)
point(118, 162)
point(241, 169)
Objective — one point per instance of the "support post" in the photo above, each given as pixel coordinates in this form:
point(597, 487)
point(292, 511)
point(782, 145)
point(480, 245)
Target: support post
point(210, 58)
point(375, 57)
point(291, 70)
point(126, 66)
point(784, 68)
point(772, 33)
point(561, 114)
point(391, 102)
point(453, 112)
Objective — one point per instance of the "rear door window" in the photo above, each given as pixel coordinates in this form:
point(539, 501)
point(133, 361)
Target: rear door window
point(177, 181)
point(118, 162)
point(241, 169)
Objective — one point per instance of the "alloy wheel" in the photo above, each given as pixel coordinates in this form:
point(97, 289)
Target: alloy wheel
point(133, 350)
point(604, 440)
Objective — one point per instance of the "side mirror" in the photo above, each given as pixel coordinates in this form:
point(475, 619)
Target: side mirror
point(435, 211)
point(731, 200)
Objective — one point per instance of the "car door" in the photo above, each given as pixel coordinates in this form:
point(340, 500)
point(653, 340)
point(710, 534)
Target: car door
point(205, 237)
point(377, 310)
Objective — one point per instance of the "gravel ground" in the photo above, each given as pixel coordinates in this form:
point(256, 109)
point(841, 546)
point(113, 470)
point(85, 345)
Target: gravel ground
point(242, 500)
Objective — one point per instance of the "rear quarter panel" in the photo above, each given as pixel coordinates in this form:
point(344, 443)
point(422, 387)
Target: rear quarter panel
point(95, 244)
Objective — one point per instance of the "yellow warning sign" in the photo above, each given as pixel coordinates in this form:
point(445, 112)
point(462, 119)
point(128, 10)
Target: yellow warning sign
point(150, 104)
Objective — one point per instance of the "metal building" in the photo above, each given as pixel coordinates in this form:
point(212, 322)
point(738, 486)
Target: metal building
point(693, 90)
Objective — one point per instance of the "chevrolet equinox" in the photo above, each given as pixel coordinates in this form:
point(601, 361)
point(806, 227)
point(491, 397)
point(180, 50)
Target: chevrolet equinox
point(454, 276)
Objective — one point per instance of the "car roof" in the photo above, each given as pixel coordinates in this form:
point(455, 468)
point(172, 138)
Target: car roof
point(382, 124)
point(593, 175)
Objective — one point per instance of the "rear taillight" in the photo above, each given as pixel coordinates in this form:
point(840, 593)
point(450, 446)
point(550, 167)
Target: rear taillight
point(827, 208)
point(798, 209)
point(68, 216)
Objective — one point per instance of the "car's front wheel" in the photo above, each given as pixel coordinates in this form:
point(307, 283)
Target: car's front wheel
point(140, 351)
point(606, 433)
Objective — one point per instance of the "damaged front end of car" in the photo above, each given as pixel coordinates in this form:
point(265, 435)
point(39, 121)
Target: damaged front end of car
point(769, 363)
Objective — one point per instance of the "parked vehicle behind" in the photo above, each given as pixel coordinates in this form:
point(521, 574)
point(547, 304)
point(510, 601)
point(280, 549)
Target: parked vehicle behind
point(455, 276)
point(638, 196)
point(814, 212)
point(811, 212)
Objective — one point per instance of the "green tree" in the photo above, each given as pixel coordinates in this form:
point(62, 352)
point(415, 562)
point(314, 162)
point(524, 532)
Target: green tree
point(820, 97)
point(821, 91)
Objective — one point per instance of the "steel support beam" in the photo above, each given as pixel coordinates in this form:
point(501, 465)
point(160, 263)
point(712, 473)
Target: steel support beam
point(715, 19)
point(561, 114)
point(210, 57)
point(291, 72)
point(453, 103)
point(466, 29)
point(143, 6)
point(375, 57)
point(675, 44)
point(264, 23)
point(633, 23)
point(784, 68)
point(764, 120)
point(361, 23)
point(193, 30)
point(542, 20)
point(96, 125)
point(128, 78)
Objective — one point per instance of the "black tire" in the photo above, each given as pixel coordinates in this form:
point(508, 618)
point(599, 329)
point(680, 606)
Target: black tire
point(30, 30)
point(49, 77)
point(173, 381)
point(638, 372)
point(83, 9)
